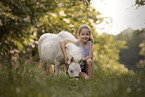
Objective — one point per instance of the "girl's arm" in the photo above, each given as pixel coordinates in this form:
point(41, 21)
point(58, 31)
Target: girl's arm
point(90, 56)
point(62, 45)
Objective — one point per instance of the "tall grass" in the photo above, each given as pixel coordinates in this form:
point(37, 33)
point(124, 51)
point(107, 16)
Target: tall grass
point(25, 79)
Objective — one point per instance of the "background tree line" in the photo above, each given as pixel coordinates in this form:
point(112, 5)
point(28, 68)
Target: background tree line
point(133, 55)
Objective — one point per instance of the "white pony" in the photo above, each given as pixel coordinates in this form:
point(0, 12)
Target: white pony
point(51, 53)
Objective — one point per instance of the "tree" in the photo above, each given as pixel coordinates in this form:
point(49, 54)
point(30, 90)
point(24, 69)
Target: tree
point(141, 63)
point(23, 21)
point(130, 56)
point(140, 2)
point(16, 19)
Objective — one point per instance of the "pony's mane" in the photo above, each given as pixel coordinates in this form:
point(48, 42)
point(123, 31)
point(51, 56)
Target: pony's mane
point(73, 51)
point(66, 36)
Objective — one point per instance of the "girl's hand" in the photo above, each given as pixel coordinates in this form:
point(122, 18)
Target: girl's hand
point(91, 39)
point(66, 60)
point(82, 60)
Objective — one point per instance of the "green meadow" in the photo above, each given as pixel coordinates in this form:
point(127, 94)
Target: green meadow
point(25, 79)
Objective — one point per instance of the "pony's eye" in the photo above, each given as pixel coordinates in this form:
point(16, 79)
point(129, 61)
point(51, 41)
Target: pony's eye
point(71, 71)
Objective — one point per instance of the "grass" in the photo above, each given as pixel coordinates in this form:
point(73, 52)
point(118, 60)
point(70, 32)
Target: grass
point(25, 79)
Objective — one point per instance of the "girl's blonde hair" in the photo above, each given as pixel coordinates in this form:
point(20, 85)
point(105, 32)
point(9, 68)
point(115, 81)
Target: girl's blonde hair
point(90, 31)
point(84, 27)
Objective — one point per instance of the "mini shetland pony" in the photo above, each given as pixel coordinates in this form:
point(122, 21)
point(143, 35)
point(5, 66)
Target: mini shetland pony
point(51, 53)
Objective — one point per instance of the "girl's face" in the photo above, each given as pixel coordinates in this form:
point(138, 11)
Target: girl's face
point(84, 35)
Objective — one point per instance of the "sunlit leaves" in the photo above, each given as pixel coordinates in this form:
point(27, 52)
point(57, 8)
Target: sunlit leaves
point(69, 19)
point(16, 20)
point(141, 63)
point(106, 52)
point(142, 46)
point(6, 15)
point(18, 44)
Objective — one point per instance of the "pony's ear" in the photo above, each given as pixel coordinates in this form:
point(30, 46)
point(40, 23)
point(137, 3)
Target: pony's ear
point(72, 59)
point(79, 61)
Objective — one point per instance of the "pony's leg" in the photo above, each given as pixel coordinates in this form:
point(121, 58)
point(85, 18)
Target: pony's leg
point(56, 68)
point(44, 67)
point(65, 66)
point(50, 69)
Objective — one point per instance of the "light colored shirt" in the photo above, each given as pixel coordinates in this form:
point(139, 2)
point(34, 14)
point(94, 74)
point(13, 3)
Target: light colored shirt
point(85, 52)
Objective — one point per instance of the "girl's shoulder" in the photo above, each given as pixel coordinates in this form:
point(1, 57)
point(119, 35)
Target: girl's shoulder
point(77, 42)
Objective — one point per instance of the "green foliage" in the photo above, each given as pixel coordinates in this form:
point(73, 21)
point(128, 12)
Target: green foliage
point(106, 52)
point(141, 64)
point(130, 56)
point(142, 46)
point(23, 21)
point(140, 2)
point(17, 18)
point(63, 19)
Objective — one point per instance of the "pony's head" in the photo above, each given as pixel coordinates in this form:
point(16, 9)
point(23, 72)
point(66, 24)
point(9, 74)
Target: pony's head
point(74, 68)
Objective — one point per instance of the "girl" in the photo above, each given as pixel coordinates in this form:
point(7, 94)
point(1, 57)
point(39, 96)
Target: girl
point(85, 42)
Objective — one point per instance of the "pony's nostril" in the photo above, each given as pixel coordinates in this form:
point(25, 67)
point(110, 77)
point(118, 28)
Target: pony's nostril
point(75, 77)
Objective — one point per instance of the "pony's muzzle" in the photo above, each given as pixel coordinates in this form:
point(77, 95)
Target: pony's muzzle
point(75, 77)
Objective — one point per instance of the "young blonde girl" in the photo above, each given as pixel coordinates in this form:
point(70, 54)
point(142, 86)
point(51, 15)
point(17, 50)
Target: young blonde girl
point(85, 42)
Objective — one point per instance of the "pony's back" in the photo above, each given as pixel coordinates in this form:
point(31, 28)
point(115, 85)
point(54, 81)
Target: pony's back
point(66, 36)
